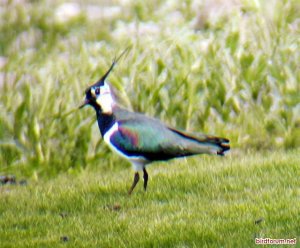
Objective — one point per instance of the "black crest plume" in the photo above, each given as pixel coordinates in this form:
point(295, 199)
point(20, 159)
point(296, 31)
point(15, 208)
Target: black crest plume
point(100, 82)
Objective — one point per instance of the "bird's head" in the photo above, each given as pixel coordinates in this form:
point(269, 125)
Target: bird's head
point(99, 95)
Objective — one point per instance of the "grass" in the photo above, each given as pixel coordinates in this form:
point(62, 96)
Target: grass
point(228, 68)
point(233, 73)
point(199, 202)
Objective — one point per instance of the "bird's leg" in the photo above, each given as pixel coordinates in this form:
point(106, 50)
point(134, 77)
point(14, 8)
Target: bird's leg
point(145, 178)
point(135, 181)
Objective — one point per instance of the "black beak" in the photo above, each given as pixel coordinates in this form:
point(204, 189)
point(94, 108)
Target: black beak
point(85, 102)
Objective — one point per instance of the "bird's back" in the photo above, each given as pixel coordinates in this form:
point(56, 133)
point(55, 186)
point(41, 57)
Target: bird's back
point(140, 135)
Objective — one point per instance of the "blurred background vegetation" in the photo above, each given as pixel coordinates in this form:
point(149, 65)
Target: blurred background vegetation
point(229, 68)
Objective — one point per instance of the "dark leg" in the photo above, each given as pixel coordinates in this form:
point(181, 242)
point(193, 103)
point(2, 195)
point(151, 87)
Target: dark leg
point(145, 178)
point(135, 181)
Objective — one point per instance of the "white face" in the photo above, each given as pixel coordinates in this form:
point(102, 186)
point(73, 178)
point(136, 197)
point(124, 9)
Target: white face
point(103, 98)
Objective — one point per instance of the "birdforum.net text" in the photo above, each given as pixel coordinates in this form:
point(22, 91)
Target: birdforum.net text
point(269, 241)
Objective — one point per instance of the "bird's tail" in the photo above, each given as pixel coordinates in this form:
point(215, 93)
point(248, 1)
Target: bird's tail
point(219, 145)
point(206, 143)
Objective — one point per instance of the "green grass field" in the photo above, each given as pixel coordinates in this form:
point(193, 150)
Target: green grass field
point(227, 68)
point(198, 202)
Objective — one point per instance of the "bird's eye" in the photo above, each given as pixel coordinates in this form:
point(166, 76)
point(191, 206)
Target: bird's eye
point(97, 91)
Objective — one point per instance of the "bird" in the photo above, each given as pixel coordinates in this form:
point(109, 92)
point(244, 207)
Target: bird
point(142, 139)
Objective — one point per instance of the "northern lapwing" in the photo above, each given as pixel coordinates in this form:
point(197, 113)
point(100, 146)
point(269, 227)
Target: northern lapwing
point(142, 139)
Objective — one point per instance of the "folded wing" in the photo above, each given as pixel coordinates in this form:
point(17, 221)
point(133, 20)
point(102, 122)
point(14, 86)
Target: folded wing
point(139, 135)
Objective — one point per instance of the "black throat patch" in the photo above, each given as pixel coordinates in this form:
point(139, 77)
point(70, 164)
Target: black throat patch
point(105, 121)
